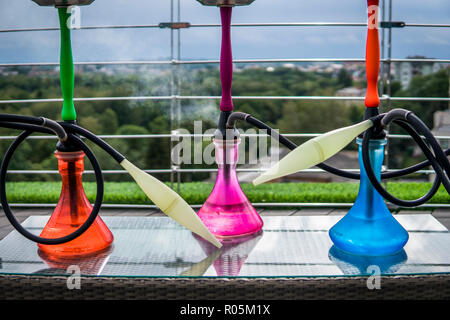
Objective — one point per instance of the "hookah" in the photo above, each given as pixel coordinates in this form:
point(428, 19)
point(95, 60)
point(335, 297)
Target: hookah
point(227, 212)
point(159, 193)
point(368, 228)
point(75, 228)
point(73, 206)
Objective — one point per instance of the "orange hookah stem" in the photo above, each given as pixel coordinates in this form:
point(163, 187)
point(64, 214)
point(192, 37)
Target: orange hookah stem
point(372, 55)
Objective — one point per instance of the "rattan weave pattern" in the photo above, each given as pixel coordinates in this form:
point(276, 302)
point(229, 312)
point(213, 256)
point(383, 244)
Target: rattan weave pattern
point(392, 287)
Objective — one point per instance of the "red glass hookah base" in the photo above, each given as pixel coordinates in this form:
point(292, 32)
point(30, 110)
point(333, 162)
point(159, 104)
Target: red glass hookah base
point(72, 211)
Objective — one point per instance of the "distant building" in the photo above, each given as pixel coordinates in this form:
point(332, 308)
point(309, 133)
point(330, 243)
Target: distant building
point(441, 127)
point(288, 65)
point(405, 71)
point(351, 92)
point(441, 121)
point(356, 69)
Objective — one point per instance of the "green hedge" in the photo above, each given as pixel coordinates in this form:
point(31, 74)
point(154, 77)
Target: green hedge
point(197, 192)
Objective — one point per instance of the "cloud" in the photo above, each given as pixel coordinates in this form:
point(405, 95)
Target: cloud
point(198, 43)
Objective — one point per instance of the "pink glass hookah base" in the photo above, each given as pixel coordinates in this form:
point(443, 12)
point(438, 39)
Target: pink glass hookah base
point(227, 211)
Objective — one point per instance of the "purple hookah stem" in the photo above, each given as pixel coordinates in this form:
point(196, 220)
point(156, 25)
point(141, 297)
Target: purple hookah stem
point(226, 60)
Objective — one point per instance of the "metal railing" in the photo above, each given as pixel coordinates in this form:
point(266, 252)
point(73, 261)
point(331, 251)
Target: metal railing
point(175, 96)
point(216, 25)
point(236, 61)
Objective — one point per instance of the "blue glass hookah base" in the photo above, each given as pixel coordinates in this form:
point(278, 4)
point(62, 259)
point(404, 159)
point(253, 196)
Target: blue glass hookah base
point(369, 227)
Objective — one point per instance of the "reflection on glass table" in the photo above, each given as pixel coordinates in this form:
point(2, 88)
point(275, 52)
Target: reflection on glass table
point(360, 265)
point(233, 253)
point(296, 246)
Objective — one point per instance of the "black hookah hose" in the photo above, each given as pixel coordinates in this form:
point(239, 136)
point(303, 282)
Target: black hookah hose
point(408, 121)
point(439, 161)
point(65, 132)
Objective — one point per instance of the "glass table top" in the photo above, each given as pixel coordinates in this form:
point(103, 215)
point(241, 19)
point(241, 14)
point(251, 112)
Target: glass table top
point(297, 246)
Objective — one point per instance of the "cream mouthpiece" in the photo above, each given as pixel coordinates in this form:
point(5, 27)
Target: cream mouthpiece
point(169, 202)
point(314, 151)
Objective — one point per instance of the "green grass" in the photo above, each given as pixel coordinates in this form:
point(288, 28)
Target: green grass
point(197, 192)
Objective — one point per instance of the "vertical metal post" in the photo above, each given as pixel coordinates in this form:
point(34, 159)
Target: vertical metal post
point(389, 54)
point(172, 92)
point(388, 78)
point(383, 65)
point(383, 73)
point(179, 68)
point(179, 85)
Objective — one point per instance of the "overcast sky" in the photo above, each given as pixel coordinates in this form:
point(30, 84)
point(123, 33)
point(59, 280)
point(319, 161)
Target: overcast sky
point(204, 43)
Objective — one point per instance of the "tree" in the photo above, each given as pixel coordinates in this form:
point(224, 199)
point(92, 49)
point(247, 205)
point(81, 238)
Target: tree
point(313, 116)
point(344, 79)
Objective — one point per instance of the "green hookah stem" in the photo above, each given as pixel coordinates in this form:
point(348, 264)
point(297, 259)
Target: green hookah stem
point(66, 69)
point(67, 78)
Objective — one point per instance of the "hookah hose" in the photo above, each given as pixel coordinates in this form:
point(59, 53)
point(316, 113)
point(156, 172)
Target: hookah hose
point(414, 126)
point(65, 131)
point(410, 123)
